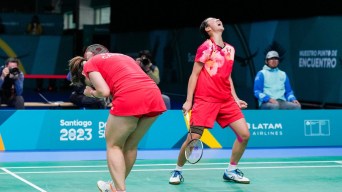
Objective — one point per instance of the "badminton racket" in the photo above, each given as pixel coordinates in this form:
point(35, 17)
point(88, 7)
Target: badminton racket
point(194, 148)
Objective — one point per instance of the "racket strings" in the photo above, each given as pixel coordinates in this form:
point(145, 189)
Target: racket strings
point(193, 151)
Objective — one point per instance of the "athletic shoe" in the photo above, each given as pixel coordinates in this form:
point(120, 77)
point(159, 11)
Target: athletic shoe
point(176, 177)
point(235, 176)
point(105, 186)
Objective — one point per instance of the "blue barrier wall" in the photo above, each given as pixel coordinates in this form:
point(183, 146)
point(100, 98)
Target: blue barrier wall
point(42, 54)
point(84, 130)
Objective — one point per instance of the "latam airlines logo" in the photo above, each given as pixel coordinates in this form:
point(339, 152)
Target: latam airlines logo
point(266, 129)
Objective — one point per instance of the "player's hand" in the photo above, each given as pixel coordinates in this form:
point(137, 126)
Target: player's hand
point(242, 104)
point(186, 107)
point(87, 91)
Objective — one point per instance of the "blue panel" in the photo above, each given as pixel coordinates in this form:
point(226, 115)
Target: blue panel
point(46, 55)
point(84, 129)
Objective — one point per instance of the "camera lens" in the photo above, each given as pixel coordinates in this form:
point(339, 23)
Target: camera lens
point(145, 61)
point(14, 71)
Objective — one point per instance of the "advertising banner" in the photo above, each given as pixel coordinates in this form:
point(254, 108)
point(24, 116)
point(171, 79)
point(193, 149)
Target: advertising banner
point(85, 130)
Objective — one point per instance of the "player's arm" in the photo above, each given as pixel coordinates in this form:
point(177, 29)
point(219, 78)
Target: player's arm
point(191, 86)
point(101, 88)
point(242, 104)
point(232, 88)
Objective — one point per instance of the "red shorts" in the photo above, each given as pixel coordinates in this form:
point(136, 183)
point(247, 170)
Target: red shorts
point(204, 114)
point(138, 103)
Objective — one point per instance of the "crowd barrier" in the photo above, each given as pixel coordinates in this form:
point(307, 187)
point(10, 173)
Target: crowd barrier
point(47, 105)
point(84, 130)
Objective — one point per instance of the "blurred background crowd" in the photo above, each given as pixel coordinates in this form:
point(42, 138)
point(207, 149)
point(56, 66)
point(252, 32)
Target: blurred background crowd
point(44, 34)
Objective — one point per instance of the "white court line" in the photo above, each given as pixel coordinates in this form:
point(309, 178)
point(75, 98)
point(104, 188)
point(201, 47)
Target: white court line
point(171, 164)
point(193, 169)
point(23, 180)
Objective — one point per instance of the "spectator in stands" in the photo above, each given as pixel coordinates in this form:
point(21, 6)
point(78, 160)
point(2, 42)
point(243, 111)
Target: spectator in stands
point(34, 27)
point(11, 84)
point(272, 86)
point(146, 64)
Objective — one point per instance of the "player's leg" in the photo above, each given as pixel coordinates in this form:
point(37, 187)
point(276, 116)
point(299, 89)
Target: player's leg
point(203, 114)
point(230, 114)
point(232, 173)
point(241, 130)
point(118, 129)
point(131, 146)
point(176, 175)
point(196, 133)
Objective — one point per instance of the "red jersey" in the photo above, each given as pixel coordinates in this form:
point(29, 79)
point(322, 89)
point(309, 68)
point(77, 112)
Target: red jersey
point(134, 92)
point(213, 82)
point(121, 72)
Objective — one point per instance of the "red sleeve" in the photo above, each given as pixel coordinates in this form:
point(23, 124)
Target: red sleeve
point(204, 51)
point(89, 66)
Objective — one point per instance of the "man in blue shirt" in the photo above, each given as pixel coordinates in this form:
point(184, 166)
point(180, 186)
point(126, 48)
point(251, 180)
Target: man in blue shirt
point(272, 86)
point(11, 84)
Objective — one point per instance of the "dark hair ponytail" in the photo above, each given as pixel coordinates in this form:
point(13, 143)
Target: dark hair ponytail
point(76, 68)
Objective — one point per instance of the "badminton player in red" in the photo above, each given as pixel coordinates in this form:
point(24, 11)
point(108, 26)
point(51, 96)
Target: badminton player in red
point(136, 104)
point(211, 97)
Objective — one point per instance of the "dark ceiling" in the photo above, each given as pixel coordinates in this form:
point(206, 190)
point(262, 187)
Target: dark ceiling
point(152, 14)
point(158, 14)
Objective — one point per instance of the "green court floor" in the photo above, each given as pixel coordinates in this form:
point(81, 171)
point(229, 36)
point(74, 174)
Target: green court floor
point(304, 174)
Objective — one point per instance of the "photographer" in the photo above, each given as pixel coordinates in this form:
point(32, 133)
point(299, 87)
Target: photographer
point(11, 84)
point(145, 62)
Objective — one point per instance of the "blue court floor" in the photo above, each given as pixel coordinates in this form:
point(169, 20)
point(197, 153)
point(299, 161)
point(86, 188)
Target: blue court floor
point(27, 156)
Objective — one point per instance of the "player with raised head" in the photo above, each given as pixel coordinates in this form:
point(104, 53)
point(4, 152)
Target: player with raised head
point(211, 97)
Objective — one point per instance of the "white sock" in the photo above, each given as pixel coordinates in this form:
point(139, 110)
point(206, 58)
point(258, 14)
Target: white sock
point(179, 168)
point(232, 167)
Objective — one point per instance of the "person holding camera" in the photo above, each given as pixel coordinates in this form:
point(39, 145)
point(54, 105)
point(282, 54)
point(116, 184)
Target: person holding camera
point(145, 62)
point(12, 84)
